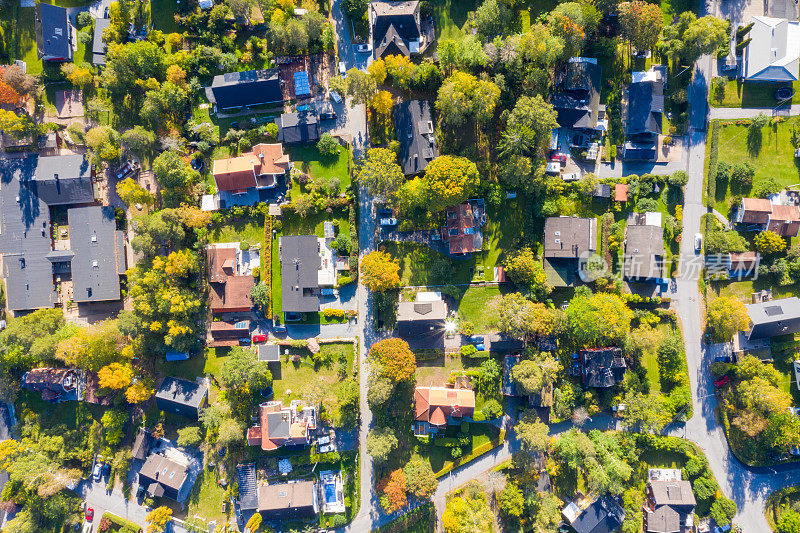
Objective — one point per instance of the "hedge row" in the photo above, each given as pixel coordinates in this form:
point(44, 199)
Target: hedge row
point(713, 148)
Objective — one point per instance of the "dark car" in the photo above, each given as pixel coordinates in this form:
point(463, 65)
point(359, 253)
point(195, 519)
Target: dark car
point(245, 342)
point(724, 380)
point(140, 492)
point(278, 328)
point(106, 470)
point(722, 359)
point(327, 115)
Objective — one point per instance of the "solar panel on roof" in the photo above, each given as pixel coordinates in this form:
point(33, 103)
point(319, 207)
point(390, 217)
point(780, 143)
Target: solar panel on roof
point(301, 85)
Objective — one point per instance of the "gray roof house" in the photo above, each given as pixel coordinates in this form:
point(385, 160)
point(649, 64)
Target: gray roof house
point(163, 477)
point(300, 265)
point(421, 323)
point(414, 126)
point(644, 253)
point(247, 88)
point(577, 101)
point(645, 114)
point(98, 46)
point(93, 254)
point(566, 240)
point(53, 33)
point(299, 127)
point(602, 367)
point(395, 28)
point(669, 507)
point(774, 317)
point(181, 396)
point(99, 258)
point(773, 53)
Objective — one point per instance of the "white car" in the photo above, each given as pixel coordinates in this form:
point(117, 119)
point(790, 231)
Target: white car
point(389, 221)
point(325, 449)
point(324, 440)
point(342, 68)
point(553, 167)
point(571, 176)
point(335, 97)
point(698, 242)
point(364, 47)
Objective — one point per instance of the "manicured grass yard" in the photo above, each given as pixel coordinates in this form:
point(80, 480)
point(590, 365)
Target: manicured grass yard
point(198, 365)
point(163, 15)
point(309, 160)
point(309, 381)
point(441, 460)
point(774, 158)
point(207, 497)
point(475, 306)
point(26, 40)
point(240, 230)
point(738, 94)
point(450, 16)
point(435, 372)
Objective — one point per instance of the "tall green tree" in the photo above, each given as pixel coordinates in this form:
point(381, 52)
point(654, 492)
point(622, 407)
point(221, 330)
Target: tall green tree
point(380, 174)
point(176, 178)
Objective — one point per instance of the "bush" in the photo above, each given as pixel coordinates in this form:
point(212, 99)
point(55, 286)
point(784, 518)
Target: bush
point(256, 272)
point(465, 327)
point(327, 145)
point(492, 409)
point(338, 314)
point(455, 453)
point(244, 245)
point(445, 442)
point(464, 427)
point(719, 369)
point(646, 204)
point(468, 350)
point(338, 520)
point(723, 510)
point(612, 152)
point(479, 417)
point(298, 343)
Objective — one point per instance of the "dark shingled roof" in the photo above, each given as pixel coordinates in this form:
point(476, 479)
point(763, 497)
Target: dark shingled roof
point(414, 126)
point(98, 46)
point(142, 444)
point(644, 250)
point(569, 236)
point(775, 317)
point(182, 391)
point(665, 519)
point(53, 33)
point(251, 87)
point(602, 367)
point(395, 25)
point(285, 496)
point(300, 264)
point(602, 516)
point(28, 186)
point(421, 324)
point(164, 472)
point(645, 107)
point(299, 127)
point(98, 261)
point(578, 101)
point(248, 489)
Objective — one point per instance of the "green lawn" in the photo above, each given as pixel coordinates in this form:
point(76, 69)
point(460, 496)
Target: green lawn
point(310, 161)
point(449, 17)
point(163, 15)
point(209, 363)
point(435, 372)
point(474, 306)
point(650, 362)
point(68, 3)
point(207, 497)
point(738, 94)
point(483, 435)
point(307, 380)
point(771, 154)
point(26, 40)
point(240, 230)
point(419, 264)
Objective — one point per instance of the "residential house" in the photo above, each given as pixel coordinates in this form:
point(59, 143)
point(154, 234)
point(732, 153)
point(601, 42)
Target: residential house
point(258, 169)
point(621, 192)
point(236, 90)
point(229, 290)
point(645, 113)
point(142, 444)
point(224, 333)
point(643, 258)
point(187, 398)
point(601, 368)
point(299, 127)
point(54, 33)
point(566, 241)
point(280, 425)
point(499, 343)
point(99, 48)
point(437, 407)
point(603, 190)
point(773, 52)
point(396, 29)
point(421, 323)
point(758, 214)
point(577, 100)
point(248, 486)
point(602, 515)
point(307, 264)
point(90, 252)
point(414, 126)
point(463, 227)
point(773, 318)
point(56, 384)
point(163, 477)
point(734, 265)
point(286, 501)
point(669, 507)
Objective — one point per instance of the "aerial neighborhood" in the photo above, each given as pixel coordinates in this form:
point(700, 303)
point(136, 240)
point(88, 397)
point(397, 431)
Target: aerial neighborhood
point(399, 265)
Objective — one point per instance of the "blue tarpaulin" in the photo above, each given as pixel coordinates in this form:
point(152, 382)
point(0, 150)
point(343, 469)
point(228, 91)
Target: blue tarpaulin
point(301, 85)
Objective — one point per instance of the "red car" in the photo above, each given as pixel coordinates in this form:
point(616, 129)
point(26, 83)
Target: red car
point(89, 514)
point(260, 338)
point(561, 158)
point(724, 380)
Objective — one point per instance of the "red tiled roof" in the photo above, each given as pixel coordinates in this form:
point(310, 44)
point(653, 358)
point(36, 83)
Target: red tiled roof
point(785, 213)
point(234, 295)
point(621, 192)
point(435, 404)
point(220, 263)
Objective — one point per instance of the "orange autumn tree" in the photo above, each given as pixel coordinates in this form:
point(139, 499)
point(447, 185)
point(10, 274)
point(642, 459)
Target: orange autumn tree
point(395, 358)
point(379, 271)
point(7, 94)
point(393, 488)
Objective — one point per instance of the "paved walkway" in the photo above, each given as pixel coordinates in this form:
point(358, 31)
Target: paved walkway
point(733, 113)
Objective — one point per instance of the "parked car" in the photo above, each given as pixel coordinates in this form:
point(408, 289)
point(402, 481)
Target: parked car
point(472, 339)
point(553, 167)
point(140, 492)
point(327, 115)
point(304, 107)
point(724, 380)
point(389, 221)
point(342, 68)
point(279, 328)
point(571, 176)
point(325, 449)
point(245, 342)
point(260, 338)
point(324, 440)
point(364, 47)
point(106, 470)
point(335, 97)
point(89, 514)
point(698, 242)
point(97, 471)
point(559, 157)
point(329, 292)
point(722, 359)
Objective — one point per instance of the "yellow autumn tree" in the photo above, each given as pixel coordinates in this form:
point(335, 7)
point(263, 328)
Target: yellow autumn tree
point(115, 376)
point(93, 347)
point(139, 392)
point(379, 271)
point(449, 180)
